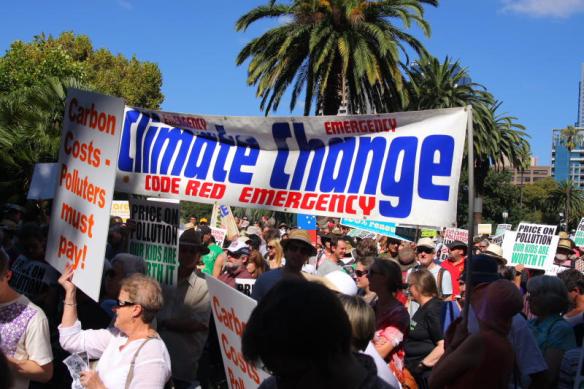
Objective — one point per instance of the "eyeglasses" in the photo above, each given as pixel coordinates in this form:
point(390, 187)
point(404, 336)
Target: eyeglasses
point(425, 250)
point(361, 273)
point(122, 303)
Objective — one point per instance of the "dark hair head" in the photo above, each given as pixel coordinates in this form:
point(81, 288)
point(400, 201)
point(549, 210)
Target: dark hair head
point(281, 331)
point(366, 248)
point(390, 270)
point(573, 279)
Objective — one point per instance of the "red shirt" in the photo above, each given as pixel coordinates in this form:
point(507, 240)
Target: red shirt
point(455, 271)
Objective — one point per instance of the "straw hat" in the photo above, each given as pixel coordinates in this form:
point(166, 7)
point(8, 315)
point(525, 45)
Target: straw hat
point(299, 236)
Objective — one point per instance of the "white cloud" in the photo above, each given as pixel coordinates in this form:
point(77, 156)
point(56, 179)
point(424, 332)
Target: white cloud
point(544, 8)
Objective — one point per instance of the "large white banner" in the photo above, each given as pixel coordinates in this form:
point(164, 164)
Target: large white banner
point(390, 167)
point(231, 310)
point(87, 170)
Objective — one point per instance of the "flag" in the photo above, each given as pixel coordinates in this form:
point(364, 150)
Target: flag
point(306, 222)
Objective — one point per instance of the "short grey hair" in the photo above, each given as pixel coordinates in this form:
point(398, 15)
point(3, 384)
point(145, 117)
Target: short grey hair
point(146, 292)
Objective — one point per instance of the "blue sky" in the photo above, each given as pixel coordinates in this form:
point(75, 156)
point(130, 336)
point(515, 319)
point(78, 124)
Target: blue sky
point(528, 53)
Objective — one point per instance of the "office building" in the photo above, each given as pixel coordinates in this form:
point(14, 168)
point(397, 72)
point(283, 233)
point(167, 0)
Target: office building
point(533, 173)
point(568, 165)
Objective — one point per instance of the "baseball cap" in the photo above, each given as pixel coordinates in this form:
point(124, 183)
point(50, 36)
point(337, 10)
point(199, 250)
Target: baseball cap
point(238, 247)
point(456, 244)
point(426, 242)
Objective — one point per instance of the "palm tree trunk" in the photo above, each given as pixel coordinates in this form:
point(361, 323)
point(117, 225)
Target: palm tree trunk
point(333, 92)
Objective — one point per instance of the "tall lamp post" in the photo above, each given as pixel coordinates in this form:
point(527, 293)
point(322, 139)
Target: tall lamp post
point(505, 215)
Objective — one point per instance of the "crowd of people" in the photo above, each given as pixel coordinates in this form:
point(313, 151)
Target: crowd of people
point(334, 311)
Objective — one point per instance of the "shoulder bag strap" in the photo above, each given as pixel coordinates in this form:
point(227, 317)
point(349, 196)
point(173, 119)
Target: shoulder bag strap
point(131, 371)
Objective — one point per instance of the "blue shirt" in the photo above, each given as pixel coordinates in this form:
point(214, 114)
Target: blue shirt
point(553, 332)
point(265, 282)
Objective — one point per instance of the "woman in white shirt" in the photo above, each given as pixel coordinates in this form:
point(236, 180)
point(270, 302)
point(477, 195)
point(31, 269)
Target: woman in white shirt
point(131, 355)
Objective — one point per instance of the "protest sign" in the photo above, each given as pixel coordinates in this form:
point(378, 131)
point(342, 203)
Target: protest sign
point(121, 208)
point(381, 228)
point(245, 285)
point(154, 237)
point(231, 310)
point(361, 234)
point(450, 235)
point(579, 236)
point(219, 234)
point(44, 181)
point(222, 217)
point(532, 245)
point(87, 168)
point(484, 229)
point(428, 233)
point(501, 228)
point(390, 167)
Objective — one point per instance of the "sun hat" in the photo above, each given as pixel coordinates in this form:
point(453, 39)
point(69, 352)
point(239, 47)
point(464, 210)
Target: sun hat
point(191, 237)
point(426, 242)
point(299, 236)
point(495, 251)
point(565, 244)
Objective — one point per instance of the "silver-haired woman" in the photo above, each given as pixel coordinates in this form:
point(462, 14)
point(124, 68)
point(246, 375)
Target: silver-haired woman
point(131, 355)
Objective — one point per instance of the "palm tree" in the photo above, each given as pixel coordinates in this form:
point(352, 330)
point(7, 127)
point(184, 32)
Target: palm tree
point(568, 199)
point(571, 138)
point(332, 49)
point(30, 132)
point(498, 138)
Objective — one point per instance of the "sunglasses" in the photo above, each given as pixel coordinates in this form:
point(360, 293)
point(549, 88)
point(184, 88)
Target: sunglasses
point(234, 255)
point(361, 273)
point(122, 303)
point(425, 250)
point(270, 247)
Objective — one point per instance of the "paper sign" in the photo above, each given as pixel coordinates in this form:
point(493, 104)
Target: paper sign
point(231, 310)
point(450, 235)
point(219, 234)
point(121, 208)
point(501, 228)
point(381, 228)
point(532, 245)
point(155, 237)
point(245, 285)
point(428, 233)
point(44, 181)
point(579, 236)
point(81, 208)
point(389, 167)
point(484, 229)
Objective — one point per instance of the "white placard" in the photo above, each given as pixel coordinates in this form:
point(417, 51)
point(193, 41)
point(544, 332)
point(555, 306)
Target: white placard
point(121, 208)
point(219, 234)
point(44, 181)
point(532, 245)
point(231, 310)
point(485, 229)
point(87, 167)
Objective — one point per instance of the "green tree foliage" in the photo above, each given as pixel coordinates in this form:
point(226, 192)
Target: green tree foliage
point(30, 132)
point(333, 49)
point(29, 64)
point(571, 138)
point(569, 200)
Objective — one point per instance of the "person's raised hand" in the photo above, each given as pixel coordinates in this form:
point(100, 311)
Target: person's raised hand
point(65, 280)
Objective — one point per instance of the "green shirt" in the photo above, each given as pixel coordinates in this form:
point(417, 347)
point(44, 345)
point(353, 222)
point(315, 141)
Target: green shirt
point(209, 259)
